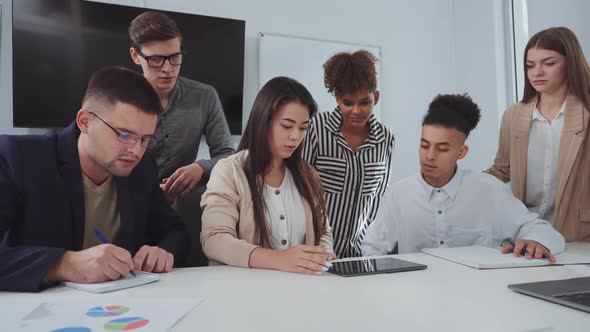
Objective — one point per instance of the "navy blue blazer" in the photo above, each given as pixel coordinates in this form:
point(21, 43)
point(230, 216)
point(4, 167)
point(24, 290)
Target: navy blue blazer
point(42, 208)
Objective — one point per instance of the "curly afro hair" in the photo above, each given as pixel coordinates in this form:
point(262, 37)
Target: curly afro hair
point(346, 73)
point(453, 111)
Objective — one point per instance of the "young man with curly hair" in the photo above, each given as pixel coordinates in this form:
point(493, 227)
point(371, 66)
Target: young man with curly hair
point(446, 206)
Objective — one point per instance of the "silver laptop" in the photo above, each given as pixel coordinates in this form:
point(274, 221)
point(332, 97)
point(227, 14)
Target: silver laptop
point(573, 292)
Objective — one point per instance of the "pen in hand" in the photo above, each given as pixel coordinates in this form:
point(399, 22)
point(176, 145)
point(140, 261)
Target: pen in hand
point(511, 243)
point(104, 240)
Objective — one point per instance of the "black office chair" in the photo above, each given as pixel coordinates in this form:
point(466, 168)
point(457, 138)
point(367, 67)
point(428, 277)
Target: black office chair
point(189, 209)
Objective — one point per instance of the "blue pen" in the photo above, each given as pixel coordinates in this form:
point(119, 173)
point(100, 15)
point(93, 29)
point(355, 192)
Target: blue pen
point(513, 244)
point(104, 240)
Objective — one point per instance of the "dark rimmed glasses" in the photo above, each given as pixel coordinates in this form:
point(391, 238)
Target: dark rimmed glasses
point(127, 137)
point(157, 61)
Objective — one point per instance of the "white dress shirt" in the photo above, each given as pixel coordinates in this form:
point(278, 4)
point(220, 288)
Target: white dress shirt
point(285, 214)
point(474, 208)
point(541, 169)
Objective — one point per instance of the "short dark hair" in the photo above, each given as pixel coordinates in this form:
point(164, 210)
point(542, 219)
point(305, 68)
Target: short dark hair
point(152, 26)
point(346, 73)
point(119, 84)
point(453, 111)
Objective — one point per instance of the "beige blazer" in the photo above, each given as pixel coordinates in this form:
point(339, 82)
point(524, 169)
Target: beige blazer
point(572, 202)
point(229, 234)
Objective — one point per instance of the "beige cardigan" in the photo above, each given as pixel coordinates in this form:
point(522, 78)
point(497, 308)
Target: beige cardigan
point(572, 202)
point(229, 234)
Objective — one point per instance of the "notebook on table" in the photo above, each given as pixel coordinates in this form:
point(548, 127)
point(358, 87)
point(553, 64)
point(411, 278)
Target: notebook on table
point(110, 286)
point(480, 257)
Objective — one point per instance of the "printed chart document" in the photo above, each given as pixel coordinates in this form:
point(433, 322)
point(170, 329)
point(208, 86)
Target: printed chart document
point(480, 257)
point(113, 314)
point(109, 286)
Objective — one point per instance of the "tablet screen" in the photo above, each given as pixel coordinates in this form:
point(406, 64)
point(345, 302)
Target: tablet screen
point(372, 266)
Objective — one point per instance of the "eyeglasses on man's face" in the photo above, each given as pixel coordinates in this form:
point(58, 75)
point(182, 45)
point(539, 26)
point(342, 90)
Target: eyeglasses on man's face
point(127, 137)
point(157, 61)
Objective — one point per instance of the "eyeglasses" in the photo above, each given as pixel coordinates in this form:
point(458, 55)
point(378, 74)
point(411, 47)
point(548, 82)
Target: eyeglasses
point(157, 61)
point(126, 137)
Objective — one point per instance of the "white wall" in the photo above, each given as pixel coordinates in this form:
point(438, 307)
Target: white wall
point(6, 70)
point(573, 14)
point(479, 53)
point(536, 15)
point(428, 47)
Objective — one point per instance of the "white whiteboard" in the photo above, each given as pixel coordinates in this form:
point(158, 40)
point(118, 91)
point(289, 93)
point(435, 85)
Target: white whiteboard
point(302, 59)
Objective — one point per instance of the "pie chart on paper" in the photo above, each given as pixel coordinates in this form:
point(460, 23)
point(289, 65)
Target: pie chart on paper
point(107, 311)
point(126, 324)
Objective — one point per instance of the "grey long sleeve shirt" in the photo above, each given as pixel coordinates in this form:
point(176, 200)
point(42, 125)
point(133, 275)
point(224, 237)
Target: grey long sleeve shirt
point(194, 109)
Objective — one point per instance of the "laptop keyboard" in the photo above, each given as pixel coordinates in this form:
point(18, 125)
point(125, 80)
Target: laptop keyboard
point(580, 298)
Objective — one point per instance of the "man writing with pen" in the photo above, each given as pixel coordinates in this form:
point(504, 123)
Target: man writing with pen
point(59, 191)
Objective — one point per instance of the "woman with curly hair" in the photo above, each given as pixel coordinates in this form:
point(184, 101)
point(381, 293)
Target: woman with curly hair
point(350, 149)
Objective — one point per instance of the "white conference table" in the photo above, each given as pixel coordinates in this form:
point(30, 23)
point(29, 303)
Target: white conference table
point(444, 297)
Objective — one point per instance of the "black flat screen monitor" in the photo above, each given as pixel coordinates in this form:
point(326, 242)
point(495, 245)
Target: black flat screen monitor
point(58, 44)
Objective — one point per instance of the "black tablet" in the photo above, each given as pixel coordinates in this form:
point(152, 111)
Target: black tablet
point(373, 266)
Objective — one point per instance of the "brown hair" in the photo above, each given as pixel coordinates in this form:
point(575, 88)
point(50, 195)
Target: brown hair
point(152, 26)
point(563, 41)
point(119, 84)
point(346, 73)
point(276, 93)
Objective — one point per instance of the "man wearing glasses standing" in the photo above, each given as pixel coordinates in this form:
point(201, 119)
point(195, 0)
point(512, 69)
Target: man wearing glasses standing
point(191, 109)
point(84, 204)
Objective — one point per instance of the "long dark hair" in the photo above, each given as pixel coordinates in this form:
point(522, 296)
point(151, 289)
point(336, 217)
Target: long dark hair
point(276, 93)
point(563, 41)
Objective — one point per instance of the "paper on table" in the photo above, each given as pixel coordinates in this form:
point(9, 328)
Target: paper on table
point(580, 270)
point(571, 259)
point(481, 257)
point(109, 286)
point(113, 314)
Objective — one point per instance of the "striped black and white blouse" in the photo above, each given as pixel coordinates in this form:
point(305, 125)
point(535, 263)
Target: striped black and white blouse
point(354, 181)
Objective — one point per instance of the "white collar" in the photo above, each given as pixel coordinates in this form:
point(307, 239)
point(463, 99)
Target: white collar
point(451, 188)
point(538, 116)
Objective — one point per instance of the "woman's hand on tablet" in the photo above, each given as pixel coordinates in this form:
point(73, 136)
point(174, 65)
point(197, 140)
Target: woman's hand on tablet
point(303, 259)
